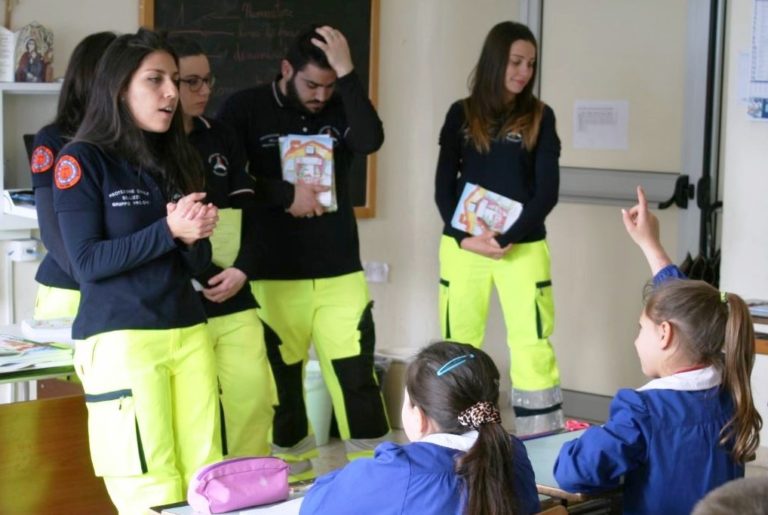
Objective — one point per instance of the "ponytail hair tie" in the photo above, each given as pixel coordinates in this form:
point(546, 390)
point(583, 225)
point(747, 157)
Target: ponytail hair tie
point(724, 297)
point(480, 413)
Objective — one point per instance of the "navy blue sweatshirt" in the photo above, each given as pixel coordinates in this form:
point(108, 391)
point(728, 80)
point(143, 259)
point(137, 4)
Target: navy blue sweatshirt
point(55, 270)
point(532, 177)
point(227, 185)
point(303, 248)
point(133, 274)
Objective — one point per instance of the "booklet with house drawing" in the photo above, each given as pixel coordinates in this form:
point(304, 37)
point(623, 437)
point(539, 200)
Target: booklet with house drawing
point(479, 208)
point(309, 160)
point(18, 353)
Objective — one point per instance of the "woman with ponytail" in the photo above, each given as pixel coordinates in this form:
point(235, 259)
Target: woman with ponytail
point(460, 459)
point(690, 429)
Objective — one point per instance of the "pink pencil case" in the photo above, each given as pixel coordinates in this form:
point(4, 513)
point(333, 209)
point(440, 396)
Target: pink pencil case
point(238, 483)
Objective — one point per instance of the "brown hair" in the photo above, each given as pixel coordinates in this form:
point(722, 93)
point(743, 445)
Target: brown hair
point(486, 469)
point(487, 110)
point(715, 329)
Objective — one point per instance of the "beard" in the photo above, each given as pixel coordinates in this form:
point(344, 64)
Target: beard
point(293, 98)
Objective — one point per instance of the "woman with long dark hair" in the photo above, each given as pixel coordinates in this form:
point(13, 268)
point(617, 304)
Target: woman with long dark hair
point(129, 202)
point(501, 142)
point(59, 294)
point(246, 387)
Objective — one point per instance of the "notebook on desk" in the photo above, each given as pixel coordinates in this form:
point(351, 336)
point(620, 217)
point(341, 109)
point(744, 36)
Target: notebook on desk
point(543, 452)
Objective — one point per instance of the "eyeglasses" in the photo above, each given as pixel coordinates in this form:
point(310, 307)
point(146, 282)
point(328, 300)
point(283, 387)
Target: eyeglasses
point(194, 83)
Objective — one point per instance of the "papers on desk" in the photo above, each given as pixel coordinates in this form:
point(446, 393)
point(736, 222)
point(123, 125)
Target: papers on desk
point(18, 353)
point(57, 330)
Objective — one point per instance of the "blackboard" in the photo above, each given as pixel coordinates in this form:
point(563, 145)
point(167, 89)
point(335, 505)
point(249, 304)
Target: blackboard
point(246, 39)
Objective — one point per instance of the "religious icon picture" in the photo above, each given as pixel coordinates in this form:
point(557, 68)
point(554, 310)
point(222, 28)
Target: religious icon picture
point(34, 54)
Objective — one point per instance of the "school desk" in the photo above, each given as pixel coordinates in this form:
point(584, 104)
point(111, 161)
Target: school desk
point(543, 452)
point(289, 507)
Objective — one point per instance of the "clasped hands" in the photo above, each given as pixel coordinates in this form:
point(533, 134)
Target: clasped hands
point(485, 244)
point(189, 219)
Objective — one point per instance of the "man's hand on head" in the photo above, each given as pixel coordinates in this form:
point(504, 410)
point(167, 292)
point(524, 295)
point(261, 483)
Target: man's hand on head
point(336, 49)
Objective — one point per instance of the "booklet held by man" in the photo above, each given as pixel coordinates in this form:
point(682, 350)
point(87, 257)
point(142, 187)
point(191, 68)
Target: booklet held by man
point(480, 209)
point(18, 353)
point(309, 160)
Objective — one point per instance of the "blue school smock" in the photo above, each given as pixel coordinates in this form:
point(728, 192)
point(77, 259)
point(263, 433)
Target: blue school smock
point(418, 478)
point(663, 439)
point(133, 273)
point(667, 273)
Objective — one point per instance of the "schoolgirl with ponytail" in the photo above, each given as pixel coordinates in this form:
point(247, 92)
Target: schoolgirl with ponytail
point(460, 459)
point(693, 427)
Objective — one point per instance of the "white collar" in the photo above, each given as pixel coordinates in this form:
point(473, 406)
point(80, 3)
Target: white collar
point(459, 442)
point(693, 380)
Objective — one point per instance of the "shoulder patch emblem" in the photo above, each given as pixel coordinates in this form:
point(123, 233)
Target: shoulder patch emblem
point(68, 172)
point(42, 159)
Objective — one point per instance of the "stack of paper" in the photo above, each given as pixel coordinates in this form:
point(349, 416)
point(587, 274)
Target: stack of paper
point(18, 353)
point(57, 330)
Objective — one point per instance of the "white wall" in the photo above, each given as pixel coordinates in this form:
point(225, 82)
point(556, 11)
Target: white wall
point(745, 223)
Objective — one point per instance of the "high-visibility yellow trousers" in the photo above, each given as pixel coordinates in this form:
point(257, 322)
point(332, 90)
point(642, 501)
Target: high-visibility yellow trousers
point(247, 390)
point(523, 282)
point(153, 416)
point(336, 314)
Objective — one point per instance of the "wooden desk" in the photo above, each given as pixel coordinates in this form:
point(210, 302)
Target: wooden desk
point(45, 464)
point(761, 346)
point(761, 340)
point(289, 507)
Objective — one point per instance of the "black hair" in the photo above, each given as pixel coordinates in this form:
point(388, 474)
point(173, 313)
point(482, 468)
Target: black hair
point(486, 469)
point(302, 51)
point(77, 81)
point(109, 124)
point(184, 46)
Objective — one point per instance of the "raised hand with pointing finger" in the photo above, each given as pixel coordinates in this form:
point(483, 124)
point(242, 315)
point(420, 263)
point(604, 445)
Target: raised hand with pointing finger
point(643, 227)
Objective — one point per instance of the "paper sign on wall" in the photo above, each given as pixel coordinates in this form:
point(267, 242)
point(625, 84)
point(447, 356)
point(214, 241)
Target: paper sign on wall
point(601, 124)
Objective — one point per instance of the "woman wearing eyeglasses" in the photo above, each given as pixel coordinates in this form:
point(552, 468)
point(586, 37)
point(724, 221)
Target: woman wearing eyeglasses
point(246, 386)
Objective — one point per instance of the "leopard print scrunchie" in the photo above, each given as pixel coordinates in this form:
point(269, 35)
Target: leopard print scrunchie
point(480, 413)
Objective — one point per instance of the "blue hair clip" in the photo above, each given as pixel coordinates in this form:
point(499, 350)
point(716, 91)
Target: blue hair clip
point(455, 362)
